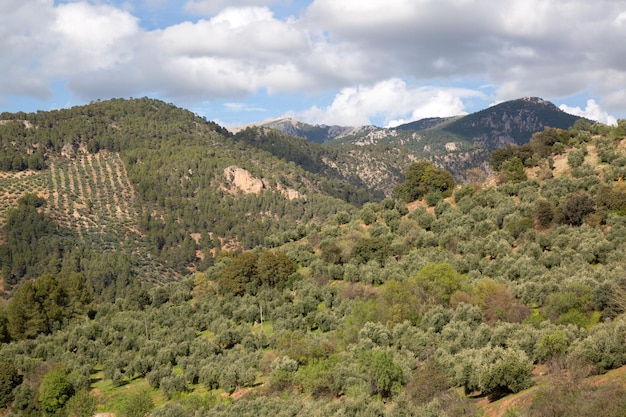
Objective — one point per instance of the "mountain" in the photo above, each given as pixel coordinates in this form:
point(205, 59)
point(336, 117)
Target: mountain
point(313, 133)
point(511, 122)
point(457, 144)
point(424, 124)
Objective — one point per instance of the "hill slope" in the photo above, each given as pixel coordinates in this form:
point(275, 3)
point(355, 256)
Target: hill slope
point(159, 183)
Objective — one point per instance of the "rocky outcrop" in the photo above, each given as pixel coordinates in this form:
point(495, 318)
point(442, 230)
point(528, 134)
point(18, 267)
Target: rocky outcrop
point(241, 180)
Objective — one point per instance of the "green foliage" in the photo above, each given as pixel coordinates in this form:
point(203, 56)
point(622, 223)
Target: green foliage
point(321, 377)
point(552, 346)
point(512, 171)
point(612, 198)
point(55, 390)
point(543, 212)
point(501, 155)
point(82, 404)
point(576, 208)
point(247, 272)
point(370, 248)
point(427, 382)
point(238, 273)
point(603, 348)
point(575, 158)
point(422, 178)
point(399, 311)
point(439, 281)
point(493, 370)
point(383, 374)
point(9, 379)
point(274, 269)
point(137, 405)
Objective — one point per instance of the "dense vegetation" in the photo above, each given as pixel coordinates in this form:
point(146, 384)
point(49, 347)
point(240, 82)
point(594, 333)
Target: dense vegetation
point(394, 308)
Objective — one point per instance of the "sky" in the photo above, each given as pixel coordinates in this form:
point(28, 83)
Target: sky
point(334, 62)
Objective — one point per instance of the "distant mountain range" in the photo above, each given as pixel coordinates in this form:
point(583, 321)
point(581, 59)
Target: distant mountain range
point(455, 143)
point(510, 122)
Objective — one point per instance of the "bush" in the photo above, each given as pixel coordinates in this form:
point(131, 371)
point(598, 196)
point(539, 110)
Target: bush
point(136, 405)
point(575, 158)
point(493, 370)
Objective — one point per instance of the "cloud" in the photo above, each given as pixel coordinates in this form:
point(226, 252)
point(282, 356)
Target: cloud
point(593, 111)
point(528, 45)
point(362, 49)
point(211, 7)
point(391, 100)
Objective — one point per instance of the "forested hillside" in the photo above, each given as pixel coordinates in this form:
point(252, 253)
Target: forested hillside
point(153, 184)
point(442, 299)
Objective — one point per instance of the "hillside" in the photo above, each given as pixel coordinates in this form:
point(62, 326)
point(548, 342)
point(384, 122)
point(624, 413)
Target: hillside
point(156, 183)
point(505, 297)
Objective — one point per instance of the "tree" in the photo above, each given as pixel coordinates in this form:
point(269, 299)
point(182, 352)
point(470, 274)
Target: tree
point(501, 155)
point(38, 306)
point(55, 390)
point(274, 268)
point(427, 382)
point(576, 208)
point(422, 178)
point(543, 212)
point(575, 158)
point(439, 281)
point(9, 379)
point(512, 170)
point(382, 373)
point(493, 370)
point(510, 371)
point(239, 272)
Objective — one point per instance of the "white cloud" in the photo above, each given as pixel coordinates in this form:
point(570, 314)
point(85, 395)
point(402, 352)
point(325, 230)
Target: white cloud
point(392, 100)
point(89, 37)
point(593, 111)
point(547, 48)
point(210, 7)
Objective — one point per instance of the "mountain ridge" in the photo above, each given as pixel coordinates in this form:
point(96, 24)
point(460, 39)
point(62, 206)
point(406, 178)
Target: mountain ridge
point(457, 143)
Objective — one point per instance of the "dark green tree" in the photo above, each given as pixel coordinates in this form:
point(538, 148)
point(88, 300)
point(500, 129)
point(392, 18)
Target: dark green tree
point(422, 178)
point(238, 273)
point(274, 268)
point(576, 207)
point(9, 379)
point(512, 170)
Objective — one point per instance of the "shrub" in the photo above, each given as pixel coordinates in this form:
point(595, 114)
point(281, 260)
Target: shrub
point(136, 405)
